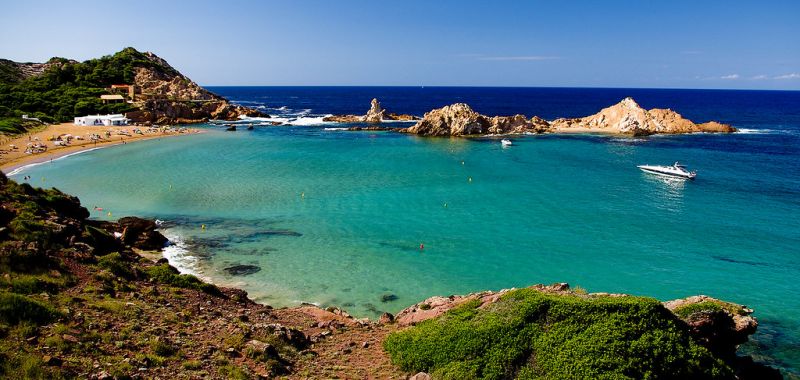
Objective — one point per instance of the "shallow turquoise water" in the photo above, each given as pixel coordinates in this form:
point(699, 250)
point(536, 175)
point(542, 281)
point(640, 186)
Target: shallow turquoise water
point(337, 218)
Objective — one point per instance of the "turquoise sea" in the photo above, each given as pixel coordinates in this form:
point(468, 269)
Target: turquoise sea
point(339, 218)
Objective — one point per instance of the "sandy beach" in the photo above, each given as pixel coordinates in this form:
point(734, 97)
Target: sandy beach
point(15, 152)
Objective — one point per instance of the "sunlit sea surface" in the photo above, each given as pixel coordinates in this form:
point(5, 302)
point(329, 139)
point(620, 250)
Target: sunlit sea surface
point(343, 218)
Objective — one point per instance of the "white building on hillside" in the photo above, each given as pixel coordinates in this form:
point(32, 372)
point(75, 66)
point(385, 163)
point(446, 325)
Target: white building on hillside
point(106, 120)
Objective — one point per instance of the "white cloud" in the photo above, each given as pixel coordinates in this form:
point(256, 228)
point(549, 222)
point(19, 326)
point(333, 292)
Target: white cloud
point(759, 77)
point(520, 58)
point(788, 76)
point(732, 76)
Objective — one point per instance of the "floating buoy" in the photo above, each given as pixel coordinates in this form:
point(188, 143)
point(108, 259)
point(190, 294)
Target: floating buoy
point(302, 195)
point(421, 246)
point(445, 204)
point(170, 187)
point(469, 179)
point(109, 214)
point(462, 162)
point(203, 227)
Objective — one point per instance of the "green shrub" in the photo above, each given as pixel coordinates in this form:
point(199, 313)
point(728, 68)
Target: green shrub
point(116, 264)
point(530, 334)
point(15, 308)
point(167, 275)
point(162, 348)
point(33, 284)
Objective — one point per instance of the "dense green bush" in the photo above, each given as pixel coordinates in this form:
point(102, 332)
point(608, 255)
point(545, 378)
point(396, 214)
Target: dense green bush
point(15, 308)
point(116, 264)
point(529, 334)
point(167, 275)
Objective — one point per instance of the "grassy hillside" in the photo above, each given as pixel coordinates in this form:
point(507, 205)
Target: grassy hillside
point(67, 89)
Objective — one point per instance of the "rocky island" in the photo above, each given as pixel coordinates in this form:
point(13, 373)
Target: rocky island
point(81, 298)
point(625, 117)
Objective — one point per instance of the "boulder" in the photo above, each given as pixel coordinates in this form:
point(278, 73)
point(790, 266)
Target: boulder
point(141, 233)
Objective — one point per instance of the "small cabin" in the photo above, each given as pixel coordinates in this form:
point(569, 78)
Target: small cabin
point(115, 98)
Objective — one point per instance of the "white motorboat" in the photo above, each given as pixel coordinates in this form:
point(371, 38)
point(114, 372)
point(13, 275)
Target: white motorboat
point(506, 142)
point(675, 170)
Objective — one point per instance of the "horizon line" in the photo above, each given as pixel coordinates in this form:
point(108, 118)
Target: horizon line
point(489, 86)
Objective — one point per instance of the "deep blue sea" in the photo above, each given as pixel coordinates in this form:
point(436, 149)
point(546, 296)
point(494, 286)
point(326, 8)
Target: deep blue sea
point(337, 218)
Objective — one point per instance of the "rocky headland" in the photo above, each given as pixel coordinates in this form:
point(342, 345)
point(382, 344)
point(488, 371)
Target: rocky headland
point(60, 89)
point(172, 98)
point(625, 117)
point(88, 299)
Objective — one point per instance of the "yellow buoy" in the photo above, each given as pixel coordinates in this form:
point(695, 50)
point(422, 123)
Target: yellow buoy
point(302, 195)
point(109, 213)
point(203, 227)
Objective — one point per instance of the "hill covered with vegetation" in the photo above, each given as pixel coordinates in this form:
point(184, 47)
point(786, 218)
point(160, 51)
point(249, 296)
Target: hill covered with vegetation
point(60, 89)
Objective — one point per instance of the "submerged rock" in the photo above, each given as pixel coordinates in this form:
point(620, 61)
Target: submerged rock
point(242, 270)
point(389, 298)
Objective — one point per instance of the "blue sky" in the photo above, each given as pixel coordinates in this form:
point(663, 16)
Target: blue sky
point(669, 44)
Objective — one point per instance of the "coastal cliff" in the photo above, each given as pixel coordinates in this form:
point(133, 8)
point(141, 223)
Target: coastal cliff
point(626, 117)
point(170, 97)
point(78, 299)
point(150, 91)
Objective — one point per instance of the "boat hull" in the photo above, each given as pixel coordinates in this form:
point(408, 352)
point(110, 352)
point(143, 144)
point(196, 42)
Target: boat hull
point(658, 171)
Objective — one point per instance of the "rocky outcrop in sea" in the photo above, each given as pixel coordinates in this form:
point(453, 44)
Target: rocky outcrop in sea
point(460, 120)
point(626, 117)
point(375, 115)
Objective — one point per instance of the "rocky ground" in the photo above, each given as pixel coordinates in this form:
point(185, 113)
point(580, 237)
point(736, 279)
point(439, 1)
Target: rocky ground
point(78, 299)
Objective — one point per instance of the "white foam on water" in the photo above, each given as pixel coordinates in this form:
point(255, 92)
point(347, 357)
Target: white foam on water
point(309, 121)
point(28, 166)
point(753, 131)
point(335, 129)
point(179, 255)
